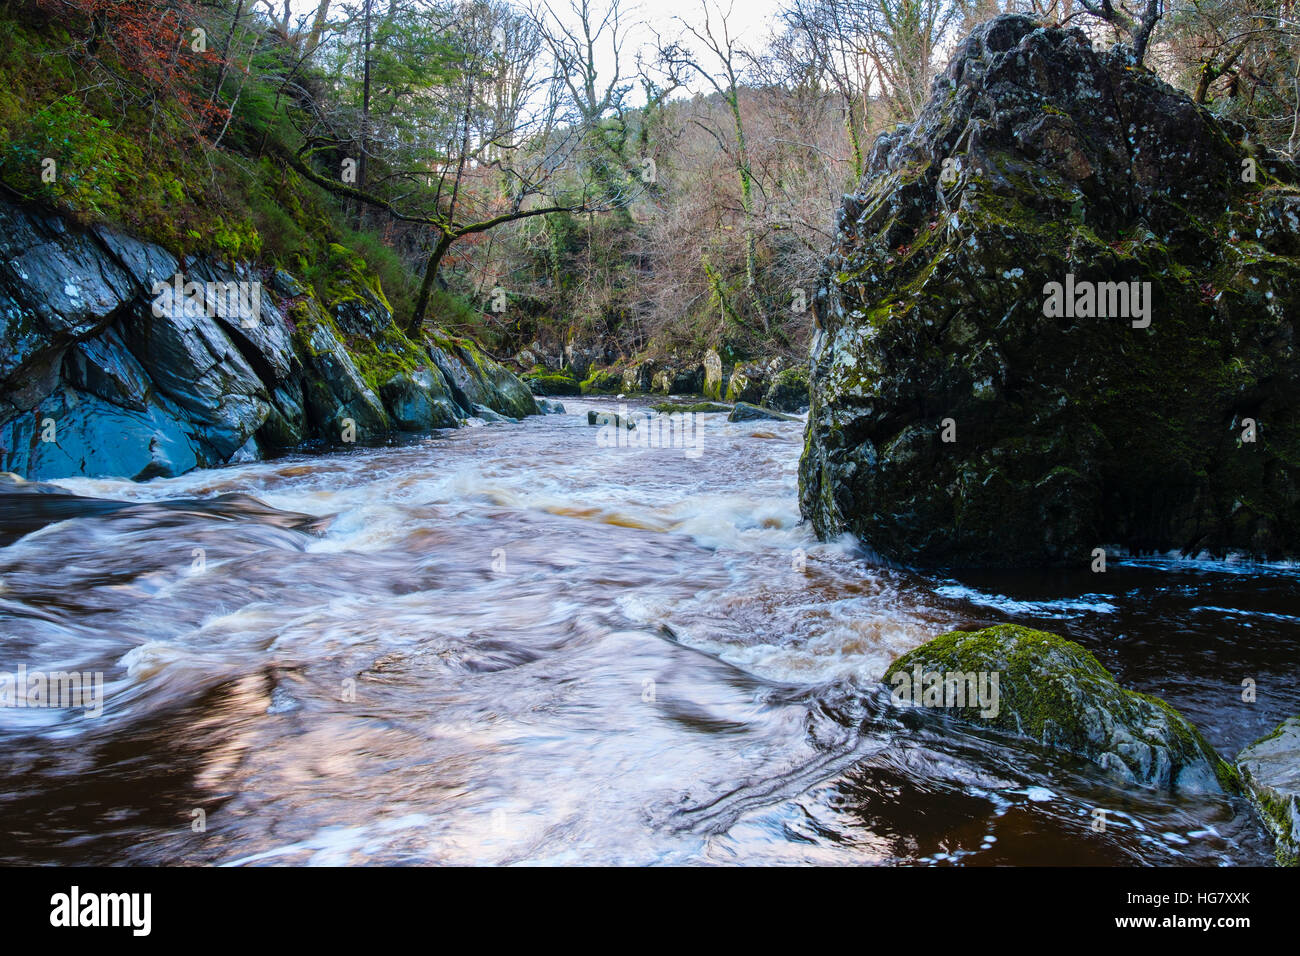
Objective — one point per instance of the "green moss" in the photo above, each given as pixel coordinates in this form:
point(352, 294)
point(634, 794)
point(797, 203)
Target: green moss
point(602, 382)
point(1050, 691)
point(544, 382)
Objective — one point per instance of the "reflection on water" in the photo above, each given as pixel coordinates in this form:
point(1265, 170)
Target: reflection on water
point(509, 644)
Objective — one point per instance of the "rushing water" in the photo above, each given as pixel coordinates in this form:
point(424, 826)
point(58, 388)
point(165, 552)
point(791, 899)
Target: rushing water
point(508, 644)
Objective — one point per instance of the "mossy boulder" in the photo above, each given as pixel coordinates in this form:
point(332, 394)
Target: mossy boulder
point(748, 383)
point(1270, 770)
point(418, 400)
point(715, 378)
point(602, 382)
point(544, 382)
point(338, 399)
point(959, 418)
point(1056, 693)
point(675, 380)
point(789, 390)
point(638, 377)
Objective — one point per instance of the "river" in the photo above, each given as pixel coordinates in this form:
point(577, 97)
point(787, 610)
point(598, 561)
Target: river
point(508, 644)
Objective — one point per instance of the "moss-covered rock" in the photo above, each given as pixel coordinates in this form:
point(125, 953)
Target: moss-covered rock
point(958, 419)
point(602, 382)
point(789, 390)
point(715, 378)
point(544, 382)
point(476, 379)
point(747, 383)
point(1270, 770)
point(139, 388)
point(1055, 692)
point(638, 377)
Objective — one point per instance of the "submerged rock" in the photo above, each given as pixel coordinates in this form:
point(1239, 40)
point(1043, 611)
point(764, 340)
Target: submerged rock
point(1058, 315)
point(1056, 693)
point(1270, 769)
point(610, 418)
point(745, 412)
point(689, 408)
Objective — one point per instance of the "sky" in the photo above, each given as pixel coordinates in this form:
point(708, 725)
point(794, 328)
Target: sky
point(750, 21)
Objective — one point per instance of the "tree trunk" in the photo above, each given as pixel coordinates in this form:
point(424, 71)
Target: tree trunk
point(365, 115)
point(414, 328)
point(318, 27)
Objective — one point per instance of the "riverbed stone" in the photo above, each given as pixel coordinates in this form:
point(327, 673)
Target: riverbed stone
point(745, 412)
point(1056, 693)
point(1270, 770)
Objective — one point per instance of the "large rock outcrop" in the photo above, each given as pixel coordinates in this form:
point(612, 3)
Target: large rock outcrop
point(963, 414)
point(96, 380)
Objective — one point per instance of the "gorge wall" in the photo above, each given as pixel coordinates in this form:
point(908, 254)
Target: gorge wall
point(105, 373)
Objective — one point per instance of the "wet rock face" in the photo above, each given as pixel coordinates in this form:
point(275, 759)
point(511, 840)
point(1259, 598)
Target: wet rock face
point(97, 380)
point(1270, 769)
point(1058, 316)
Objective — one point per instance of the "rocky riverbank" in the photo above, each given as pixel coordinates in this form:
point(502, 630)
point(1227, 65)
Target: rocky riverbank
point(118, 359)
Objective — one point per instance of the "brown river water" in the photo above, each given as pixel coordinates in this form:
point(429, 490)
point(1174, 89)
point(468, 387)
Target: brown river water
point(508, 644)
